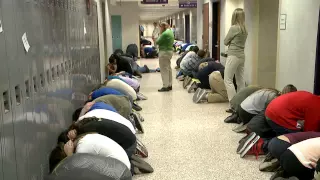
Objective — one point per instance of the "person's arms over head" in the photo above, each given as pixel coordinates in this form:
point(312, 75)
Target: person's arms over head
point(69, 148)
point(233, 31)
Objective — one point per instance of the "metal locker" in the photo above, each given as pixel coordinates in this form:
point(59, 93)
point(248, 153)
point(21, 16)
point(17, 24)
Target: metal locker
point(7, 47)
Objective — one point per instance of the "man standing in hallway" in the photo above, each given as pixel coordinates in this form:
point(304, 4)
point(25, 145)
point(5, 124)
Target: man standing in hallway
point(155, 33)
point(165, 43)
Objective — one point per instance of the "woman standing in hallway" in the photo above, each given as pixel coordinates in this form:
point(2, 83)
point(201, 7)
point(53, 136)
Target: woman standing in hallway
point(235, 39)
point(165, 42)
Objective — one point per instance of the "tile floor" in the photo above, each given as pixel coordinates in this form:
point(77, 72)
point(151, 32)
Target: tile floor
point(188, 141)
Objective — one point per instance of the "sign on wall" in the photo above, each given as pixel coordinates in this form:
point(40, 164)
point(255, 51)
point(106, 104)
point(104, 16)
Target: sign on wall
point(187, 4)
point(154, 2)
point(283, 21)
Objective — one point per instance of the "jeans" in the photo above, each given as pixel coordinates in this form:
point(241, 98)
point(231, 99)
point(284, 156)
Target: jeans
point(144, 69)
point(277, 147)
point(279, 130)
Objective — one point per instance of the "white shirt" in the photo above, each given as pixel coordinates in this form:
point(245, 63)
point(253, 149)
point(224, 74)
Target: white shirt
point(110, 115)
point(257, 101)
point(155, 33)
point(103, 146)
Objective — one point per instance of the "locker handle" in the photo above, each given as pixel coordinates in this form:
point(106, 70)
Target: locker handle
point(18, 94)
point(27, 89)
point(35, 87)
point(6, 101)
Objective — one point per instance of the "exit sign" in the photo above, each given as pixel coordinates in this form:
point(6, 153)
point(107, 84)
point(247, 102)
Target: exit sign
point(154, 2)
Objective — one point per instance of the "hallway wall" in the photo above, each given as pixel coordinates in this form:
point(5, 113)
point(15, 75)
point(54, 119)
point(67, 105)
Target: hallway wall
point(129, 12)
point(148, 28)
point(297, 44)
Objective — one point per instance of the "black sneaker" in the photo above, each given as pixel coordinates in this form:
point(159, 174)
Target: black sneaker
point(245, 141)
point(279, 174)
point(232, 118)
point(170, 88)
point(136, 107)
point(164, 89)
point(230, 111)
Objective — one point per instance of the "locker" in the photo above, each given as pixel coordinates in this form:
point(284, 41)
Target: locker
point(36, 86)
point(7, 48)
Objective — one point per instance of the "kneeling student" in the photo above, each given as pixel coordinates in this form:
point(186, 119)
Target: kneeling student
point(91, 143)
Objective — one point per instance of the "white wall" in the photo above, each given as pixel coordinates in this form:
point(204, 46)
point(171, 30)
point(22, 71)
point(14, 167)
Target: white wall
point(101, 41)
point(251, 8)
point(297, 44)
point(108, 35)
point(199, 23)
point(148, 28)
point(129, 12)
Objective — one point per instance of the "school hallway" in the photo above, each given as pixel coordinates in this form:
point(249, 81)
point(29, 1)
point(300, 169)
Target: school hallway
point(189, 141)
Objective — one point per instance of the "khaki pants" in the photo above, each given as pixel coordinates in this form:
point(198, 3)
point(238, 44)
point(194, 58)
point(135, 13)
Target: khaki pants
point(165, 67)
point(234, 66)
point(219, 92)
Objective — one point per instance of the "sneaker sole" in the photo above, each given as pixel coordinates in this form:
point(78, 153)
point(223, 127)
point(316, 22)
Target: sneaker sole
point(194, 98)
point(192, 86)
point(200, 95)
point(254, 141)
point(187, 82)
point(246, 142)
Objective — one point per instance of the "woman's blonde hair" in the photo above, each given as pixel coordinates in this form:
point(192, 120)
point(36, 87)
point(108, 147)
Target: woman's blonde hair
point(238, 18)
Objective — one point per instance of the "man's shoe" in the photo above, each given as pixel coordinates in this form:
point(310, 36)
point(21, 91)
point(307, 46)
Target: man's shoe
point(201, 95)
point(164, 89)
point(170, 88)
point(270, 166)
point(192, 87)
point(195, 95)
point(245, 141)
point(240, 128)
point(230, 111)
point(136, 107)
point(253, 148)
point(187, 81)
point(279, 174)
point(232, 118)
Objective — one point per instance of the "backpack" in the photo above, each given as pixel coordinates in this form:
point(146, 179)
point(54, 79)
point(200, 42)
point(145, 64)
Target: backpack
point(132, 50)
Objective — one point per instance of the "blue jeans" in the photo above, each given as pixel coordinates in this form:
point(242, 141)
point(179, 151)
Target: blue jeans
point(279, 130)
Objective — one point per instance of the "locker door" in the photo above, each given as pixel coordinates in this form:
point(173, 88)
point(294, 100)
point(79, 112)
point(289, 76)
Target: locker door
point(116, 32)
point(7, 47)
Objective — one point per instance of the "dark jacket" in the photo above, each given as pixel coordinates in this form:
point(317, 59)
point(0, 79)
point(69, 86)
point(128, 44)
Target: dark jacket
point(203, 74)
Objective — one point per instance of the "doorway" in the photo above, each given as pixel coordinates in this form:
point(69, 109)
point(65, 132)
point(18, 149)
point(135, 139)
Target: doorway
point(116, 32)
point(187, 29)
point(317, 66)
point(216, 30)
point(205, 32)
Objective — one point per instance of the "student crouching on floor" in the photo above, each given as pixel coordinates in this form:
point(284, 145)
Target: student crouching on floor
point(288, 113)
point(189, 64)
point(211, 76)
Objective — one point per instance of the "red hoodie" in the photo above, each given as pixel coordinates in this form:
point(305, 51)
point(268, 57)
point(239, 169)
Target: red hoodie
point(289, 108)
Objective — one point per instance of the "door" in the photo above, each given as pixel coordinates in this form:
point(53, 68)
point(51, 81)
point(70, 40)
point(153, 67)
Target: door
point(205, 33)
point(216, 30)
point(187, 30)
point(116, 32)
point(317, 66)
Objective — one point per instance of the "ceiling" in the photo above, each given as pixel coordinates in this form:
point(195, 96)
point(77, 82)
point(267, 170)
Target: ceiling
point(156, 11)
